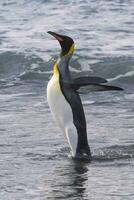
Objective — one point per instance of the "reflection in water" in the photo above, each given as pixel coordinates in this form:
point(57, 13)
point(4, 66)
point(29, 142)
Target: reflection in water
point(70, 181)
point(80, 178)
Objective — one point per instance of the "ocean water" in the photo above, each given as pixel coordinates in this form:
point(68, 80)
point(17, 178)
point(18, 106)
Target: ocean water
point(34, 162)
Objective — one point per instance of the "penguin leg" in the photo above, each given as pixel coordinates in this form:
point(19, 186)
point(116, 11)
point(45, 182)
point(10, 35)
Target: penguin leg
point(72, 137)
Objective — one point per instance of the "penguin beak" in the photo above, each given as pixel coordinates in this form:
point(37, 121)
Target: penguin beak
point(57, 36)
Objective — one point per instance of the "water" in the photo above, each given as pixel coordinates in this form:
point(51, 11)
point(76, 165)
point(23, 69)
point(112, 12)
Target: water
point(34, 161)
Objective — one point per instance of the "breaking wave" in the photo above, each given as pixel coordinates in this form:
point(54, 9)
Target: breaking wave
point(21, 66)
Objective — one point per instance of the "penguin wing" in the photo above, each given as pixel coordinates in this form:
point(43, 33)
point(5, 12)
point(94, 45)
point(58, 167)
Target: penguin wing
point(98, 87)
point(87, 80)
point(79, 82)
point(87, 84)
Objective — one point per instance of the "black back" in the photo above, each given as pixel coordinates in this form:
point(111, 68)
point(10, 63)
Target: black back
point(73, 98)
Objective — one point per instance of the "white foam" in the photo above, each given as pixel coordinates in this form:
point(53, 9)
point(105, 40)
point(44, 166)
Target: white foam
point(128, 74)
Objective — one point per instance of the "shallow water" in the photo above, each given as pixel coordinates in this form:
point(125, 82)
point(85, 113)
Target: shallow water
point(34, 162)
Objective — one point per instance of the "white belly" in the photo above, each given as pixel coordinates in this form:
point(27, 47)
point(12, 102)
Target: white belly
point(62, 112)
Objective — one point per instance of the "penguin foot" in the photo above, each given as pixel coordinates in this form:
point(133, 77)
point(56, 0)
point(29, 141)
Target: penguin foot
point(81, 157)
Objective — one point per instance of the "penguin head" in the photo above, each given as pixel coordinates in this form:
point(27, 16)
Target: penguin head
point(66, 43)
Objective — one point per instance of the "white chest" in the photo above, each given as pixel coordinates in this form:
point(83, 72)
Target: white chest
point(62, 112)
point(59, 106)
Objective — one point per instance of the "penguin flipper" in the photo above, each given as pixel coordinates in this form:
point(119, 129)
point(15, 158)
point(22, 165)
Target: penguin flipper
point(88, 84)
point(87, 80)
point(98, 88)
point(76, 83)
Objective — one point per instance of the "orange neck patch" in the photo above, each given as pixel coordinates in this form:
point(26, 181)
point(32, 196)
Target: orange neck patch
point(56, 70)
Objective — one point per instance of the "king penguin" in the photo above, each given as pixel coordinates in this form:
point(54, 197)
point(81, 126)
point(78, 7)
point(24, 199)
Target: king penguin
point(65, 102)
